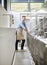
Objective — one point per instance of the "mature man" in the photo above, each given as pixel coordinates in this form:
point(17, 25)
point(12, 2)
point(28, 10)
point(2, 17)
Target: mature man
point(20, 36)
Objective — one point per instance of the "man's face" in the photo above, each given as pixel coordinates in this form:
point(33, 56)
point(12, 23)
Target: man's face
point(24, 18)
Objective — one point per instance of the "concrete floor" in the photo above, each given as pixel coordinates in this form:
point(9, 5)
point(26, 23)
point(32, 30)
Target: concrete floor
point(23, 57)
point(7, 47)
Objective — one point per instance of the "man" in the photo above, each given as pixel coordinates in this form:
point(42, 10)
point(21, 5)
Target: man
point(20, 36)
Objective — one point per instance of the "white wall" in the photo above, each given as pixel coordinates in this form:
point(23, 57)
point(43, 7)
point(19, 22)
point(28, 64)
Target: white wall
point(4, 19)
point(7, 45)
point(16, 19)
point(8, 5)
point(3, 3)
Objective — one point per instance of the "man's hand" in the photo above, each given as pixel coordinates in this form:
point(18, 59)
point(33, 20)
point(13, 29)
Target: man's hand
point(26, 30)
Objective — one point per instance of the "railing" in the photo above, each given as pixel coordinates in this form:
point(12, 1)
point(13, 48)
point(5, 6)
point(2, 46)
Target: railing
point(41, 24)
point(40, 20)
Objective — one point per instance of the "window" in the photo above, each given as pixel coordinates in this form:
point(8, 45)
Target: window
point(37, 1)
point(27, 1)
point(26, 5)
point(19, 1)
point(19, 7)
point(36, 6)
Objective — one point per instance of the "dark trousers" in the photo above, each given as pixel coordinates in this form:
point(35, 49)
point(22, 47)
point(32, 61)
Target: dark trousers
point(22, 44)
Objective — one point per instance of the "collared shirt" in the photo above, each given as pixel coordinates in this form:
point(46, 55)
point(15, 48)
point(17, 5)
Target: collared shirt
point(22, 25)
point(20, 34)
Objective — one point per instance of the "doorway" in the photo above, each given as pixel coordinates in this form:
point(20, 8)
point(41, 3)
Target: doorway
point(5, 4)
point(0, 1)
